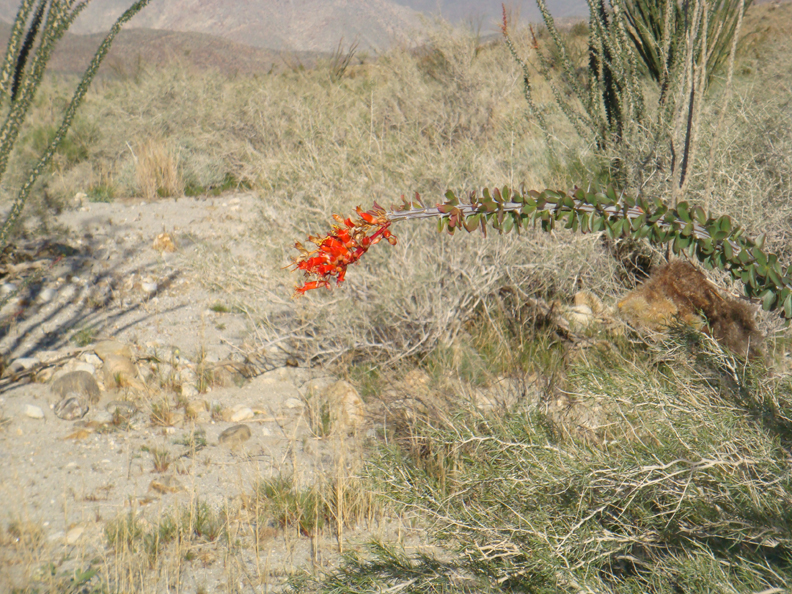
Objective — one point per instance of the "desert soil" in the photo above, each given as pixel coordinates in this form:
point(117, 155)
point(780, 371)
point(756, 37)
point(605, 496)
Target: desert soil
point(114, 301)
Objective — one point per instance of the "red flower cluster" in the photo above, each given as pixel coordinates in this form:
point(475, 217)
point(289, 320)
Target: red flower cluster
point(343, 246)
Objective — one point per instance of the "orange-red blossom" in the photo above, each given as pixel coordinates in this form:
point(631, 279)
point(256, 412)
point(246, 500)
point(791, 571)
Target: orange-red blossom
point(344, 245)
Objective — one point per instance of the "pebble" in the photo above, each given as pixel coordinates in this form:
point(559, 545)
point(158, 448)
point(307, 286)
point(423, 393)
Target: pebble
point(166, 484)
point(149, 288)
point(23, 364)
point(347, 409)
point(34, 412)
point(242, 414)
point(189, 391)
point(234, 436)
point(78, 383)
point(580, 317)
point(71, 408)
point(73, 535)
point(92, 359)
point(125, 410)
point(164, 243)
point(119, 370)
point(266, 432)
point(47, 295)
point(294, 403)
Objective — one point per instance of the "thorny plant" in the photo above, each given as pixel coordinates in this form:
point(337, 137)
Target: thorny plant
point(45, 21)
point(715, 242)
point(644, 130)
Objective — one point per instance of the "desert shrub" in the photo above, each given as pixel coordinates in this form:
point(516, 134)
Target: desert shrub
point(665, 470)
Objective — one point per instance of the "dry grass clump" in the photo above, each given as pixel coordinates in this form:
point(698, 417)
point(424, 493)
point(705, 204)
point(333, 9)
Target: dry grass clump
point(665, 470)
point(157, 171)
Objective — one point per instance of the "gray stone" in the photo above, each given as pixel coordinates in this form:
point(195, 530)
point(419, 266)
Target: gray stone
point(71, 408)
point(73, 535)
point(24, 364)
point(125, 410)
point(34, 412)
point(108, 348)
point(47, 295)
point(235, 435)
point(347, 410)
point(77, 383)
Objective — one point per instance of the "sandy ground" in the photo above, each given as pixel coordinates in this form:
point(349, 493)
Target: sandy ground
point(62, 481)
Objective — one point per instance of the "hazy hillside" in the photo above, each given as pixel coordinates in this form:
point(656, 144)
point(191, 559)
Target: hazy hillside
point(305, 25)
point(134, 48)
point(292, 25)
point(488, 12)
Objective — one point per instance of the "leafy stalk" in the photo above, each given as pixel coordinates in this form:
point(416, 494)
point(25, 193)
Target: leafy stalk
point(715, 242)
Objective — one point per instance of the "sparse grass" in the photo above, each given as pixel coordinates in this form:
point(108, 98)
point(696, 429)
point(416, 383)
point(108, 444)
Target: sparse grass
point(308, 509)
point(161, 413)
point(193, 441)
point(160, 458)
point(84, 336)
point(101, 192)
point(196, 522)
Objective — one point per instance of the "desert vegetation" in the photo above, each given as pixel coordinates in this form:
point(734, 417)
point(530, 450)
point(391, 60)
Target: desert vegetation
point(508, 445)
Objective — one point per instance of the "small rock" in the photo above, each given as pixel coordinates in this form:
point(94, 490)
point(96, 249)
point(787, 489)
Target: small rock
point(73, 535)
point(76, 383)
point(120, 371)
point(80, 197)
point(149, 288)
point(266, 432)
point(22, 364)
point(71, 408)
point(164, 243)
point(193, 408)
point(292, 362)
point(243, 414)
point(347, 409)
point(580, 317)
point(189, 391)
point(294, 403)
point(234, 436)
point(34, 412)
point(121, 408)
point(47, 295)
point(112, 347)
point(79, 434)
point(92, 359)
point(7, 288)
point(166, 484)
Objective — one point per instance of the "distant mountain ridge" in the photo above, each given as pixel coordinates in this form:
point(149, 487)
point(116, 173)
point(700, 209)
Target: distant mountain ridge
point(282, 25)
point(304, 25)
